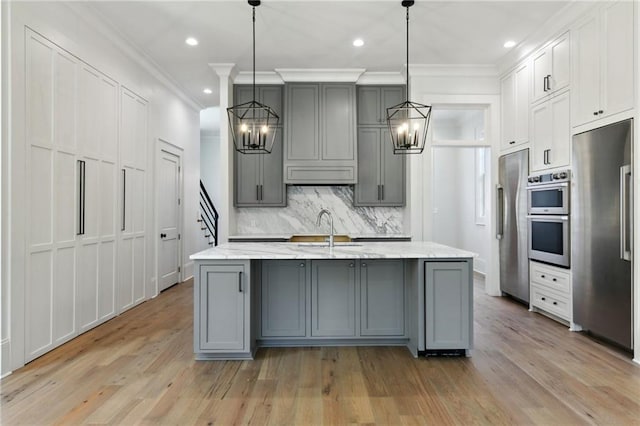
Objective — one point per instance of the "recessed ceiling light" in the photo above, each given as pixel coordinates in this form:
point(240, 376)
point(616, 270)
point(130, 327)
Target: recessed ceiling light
point(510, 43)
point(208, 91)
point(358, 42)
point(191, 41)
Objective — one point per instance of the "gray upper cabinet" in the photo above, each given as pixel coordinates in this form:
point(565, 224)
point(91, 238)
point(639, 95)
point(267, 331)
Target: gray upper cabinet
point(373, 102)
point(449, 304)
point(333, 292)
point(283, 298)
point(320, 141)
point(382, 295)
point(381, 173)
point(258, 177)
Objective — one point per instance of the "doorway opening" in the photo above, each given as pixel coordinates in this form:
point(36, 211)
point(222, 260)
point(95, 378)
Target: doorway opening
point(461, 177)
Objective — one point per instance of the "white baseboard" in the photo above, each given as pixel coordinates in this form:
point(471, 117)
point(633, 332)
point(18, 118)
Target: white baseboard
point(5, 357)
point(188, 270)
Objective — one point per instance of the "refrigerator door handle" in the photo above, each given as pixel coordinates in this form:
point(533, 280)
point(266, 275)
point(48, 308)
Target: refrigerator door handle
point(625, 216)
point(499, 211)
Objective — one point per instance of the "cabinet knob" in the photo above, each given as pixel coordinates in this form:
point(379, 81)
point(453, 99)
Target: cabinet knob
point(302, 265)
point(364, 265)
point(553, 279)
point(542, 276)
point(352, 265)
point(555, 303)
point(600, 112)
point(595, 112)
point(512, 142)
point(543, 298)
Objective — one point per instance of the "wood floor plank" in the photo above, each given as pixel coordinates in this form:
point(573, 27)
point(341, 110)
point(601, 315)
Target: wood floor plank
point(139, 368)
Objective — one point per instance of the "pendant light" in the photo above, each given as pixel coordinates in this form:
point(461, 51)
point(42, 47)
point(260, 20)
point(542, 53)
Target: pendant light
point(408, 121)
point(253, 124)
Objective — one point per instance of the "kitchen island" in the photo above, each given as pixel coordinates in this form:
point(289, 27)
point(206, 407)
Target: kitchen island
point(415, 294)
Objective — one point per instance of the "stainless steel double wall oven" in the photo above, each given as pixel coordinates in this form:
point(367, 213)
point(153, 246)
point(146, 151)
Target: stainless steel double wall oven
point(548, 200)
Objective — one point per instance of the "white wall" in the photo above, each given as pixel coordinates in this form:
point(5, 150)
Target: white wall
point(210, 172)
point(172, 117)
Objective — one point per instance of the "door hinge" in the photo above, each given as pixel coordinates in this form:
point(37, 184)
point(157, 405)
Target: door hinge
point(178, 201)
point(178, 269)
point(178, 236)
point(178, 169)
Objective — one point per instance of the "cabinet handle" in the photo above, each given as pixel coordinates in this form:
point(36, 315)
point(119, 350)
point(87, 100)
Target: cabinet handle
point(512, 142)
point(302, 265)
point(257, 192)
point(600, 112)
point(124, 200)
point(378, 192)
point(81, 196)
point(240, 282)
point(544, 84)
point(549, 82)
point(381, 192)
point(500, 205)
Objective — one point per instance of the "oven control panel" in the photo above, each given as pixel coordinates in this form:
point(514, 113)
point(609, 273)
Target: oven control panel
point(546, 178)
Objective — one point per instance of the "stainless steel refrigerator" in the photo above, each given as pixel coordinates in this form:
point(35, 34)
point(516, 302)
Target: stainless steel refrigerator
point(513, 170)
point(601, 214)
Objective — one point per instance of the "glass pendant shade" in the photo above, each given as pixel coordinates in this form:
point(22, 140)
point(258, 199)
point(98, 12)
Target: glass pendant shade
point(253, 124)
point(253, 127)
point(408, 121)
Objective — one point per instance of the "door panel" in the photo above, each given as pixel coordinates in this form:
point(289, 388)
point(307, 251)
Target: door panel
point(41, 202)
point(382, 298)
point(168, 218)
point(106, 280)
point(393, 176)
point(138, 269)
point(125, 274)
point(333, 298)
point(66, 211)
point(64, 294)
point(337, 121)
point(87, 286)
point(303, 142)
point(65, 99)
point(38, 304)
point(273, 189)
point(367, 190)
point(369, 105)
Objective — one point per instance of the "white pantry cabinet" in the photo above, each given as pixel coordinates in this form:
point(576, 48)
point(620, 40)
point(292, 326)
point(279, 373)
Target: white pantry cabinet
point(73, 196)
point(515, 102)
point(551, 68)
point(551, 133)
point(603, 52)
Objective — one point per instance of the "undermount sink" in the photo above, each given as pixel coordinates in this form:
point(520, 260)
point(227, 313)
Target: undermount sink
point(319, 238)
point(326, 244)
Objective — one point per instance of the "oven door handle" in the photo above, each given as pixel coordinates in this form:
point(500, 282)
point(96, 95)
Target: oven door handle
point(625, 217)
point(548, 217)
point(500, 205)
point(547, 186)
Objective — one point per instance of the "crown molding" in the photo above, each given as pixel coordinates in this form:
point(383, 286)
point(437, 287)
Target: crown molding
point(224, 70)
point(262, 77)
point(341, 75)
point(552, 28)
point(381, 78)
point(463, 70)
point(106, 29)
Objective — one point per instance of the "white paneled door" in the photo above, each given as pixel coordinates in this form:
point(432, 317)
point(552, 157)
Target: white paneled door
point(168, 219)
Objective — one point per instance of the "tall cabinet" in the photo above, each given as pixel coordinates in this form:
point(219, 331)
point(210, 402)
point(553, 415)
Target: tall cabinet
point(259, 177)
point(75, 150)
point(381, 173)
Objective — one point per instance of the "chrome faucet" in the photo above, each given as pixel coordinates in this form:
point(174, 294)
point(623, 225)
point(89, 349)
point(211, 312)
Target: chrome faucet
point(328, 213)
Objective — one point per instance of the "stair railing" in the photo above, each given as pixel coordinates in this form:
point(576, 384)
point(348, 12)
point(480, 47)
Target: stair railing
point(208, 214)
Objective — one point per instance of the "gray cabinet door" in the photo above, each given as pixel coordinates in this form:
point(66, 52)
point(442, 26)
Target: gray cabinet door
point(247, 179)
point(392, 174)
point(390, 96)
point(272, 189)
point(382, 298)
point(337, 116)
point(367, 190)
point(333, 308)
point(449, 302)
point(302, 124)
point(369, 107)
point(222, 307)
point(272, 96)
point(283, 298)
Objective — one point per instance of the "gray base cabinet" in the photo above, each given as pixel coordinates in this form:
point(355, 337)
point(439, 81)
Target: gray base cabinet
point(222, 311)
point(382, 298)
point(449, 305)
point(333, 302)
point(283, 298)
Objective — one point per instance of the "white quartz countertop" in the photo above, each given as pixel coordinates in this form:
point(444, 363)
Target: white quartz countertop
point(358, 250)
point(287, 236)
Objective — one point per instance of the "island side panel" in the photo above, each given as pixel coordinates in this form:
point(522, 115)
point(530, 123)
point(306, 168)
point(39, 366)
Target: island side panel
point(449, 304)
point(223, 310)
point(414, 315)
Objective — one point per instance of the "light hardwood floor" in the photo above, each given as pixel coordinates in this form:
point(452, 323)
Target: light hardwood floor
point(139, 368)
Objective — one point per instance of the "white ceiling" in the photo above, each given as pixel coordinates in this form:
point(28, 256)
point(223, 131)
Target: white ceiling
point(318, 34)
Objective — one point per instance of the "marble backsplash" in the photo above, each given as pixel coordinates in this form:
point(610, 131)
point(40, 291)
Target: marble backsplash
point(303, 205)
